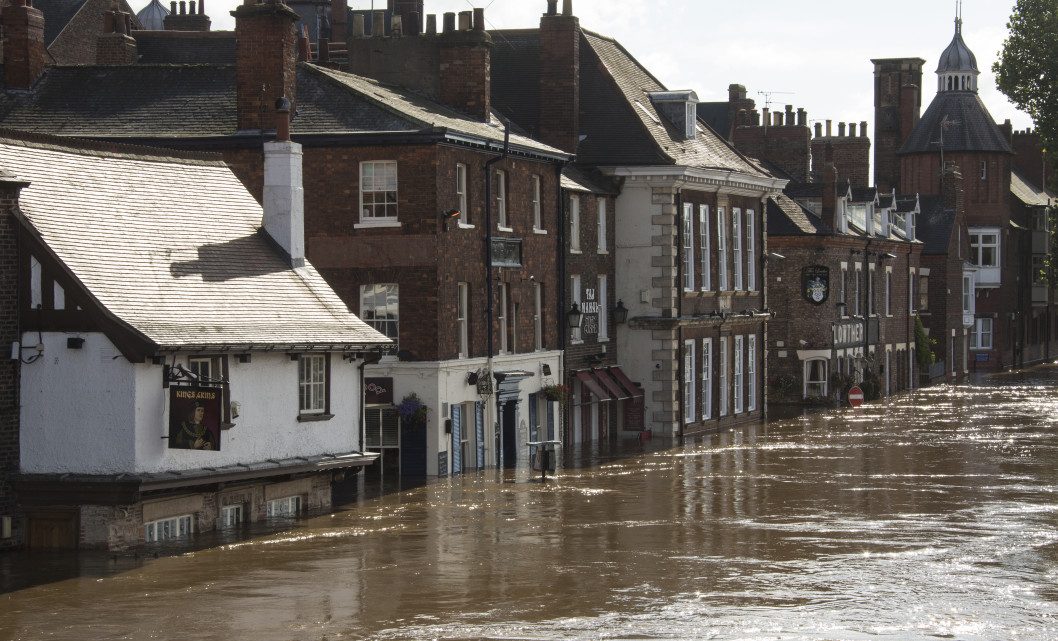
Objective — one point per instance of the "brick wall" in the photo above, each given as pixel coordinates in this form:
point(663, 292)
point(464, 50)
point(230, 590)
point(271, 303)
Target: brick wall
point(265, 57)
point(986, 198)
point(897, 105)
point(560, 41)
point(788, 147)
point(23, 43)
point(1029, 157)
point(851, 156)
point(9, 370)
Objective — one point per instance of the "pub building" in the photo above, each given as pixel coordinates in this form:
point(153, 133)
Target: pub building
point(180, 368)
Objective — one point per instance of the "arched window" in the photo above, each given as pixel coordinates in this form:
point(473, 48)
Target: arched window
point(815, 383)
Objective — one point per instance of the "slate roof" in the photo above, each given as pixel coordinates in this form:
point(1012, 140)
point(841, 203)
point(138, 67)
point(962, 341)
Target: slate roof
point(905, 204)
point(185, 47)
point(153, 16)
point(575, 179)
point(864, 194)
point(957, 57)
point(786, 217)
point(935, 225)
point(173, 249)
point(717, 115)
point(189, 101)
point(1029, 194)
point(57, 14)
point(974, 129)
point(618, 119)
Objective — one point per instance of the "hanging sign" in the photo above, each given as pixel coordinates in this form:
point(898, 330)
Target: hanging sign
point(194, 418)
point(378, 391)
point(815, 284)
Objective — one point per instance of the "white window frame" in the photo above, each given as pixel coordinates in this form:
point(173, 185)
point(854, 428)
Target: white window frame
point(463, 318)
point(501, 316)
point(688, 247)
point(538, 316)
point(538, 213)
point(736, 246)
point(169, 528)
point(703, 231)
point(312, 383)
point(574, 224)
point(725, 358)
point(739, 377)
point(461, 196)
point(889, 292)
point(690, 372)
point(984, 170)
point(807, 382)
point(231, 516)
point(857, 291)
point(751, 372)
point(871, 273)
point(911, 291)
point(387, 219)
point(369, 295)
point(977, 247)
point(604, 311)
point(977, 342)
point(707, 379)
point(602, 247)
point(285, 507)
point(721, 247)
point(499, 187)
point(576, 335)
point(751, 251)
point(968, 293)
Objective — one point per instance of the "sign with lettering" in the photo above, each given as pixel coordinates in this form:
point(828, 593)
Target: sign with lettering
point(378, 391)
point(848, 334)
point(194, 418)
point(590, 308)
point(815, 284)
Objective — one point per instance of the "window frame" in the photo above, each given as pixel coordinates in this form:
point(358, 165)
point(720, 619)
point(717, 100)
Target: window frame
point(736, 247)
point(576, 291)
point(707, 379)
point(688, 247)
point(977, 248)
point(602, 246)
point(703, 233)
point(224, 520)
point(322, 382)
point(574, 224)
point(218, 377)
point(380, 221)
point(538, 316)
point(151, 528)
point(499, 189)
point(604, 311)
point(294, 508)
point(889, 292)
point(536, 193)
point(725, 379)
point(368, 313)
point(976, 343)
point(690, 373)
point(751, 372)
point(739, 375)
point(462, 198)
point(721, 248)
point(809, 382)
point(463, 318)
point(751, 251)
point(502, 317)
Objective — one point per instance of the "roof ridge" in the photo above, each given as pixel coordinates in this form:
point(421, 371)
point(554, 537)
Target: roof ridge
point(326, 73)
point(105, 149)
point(148, 65)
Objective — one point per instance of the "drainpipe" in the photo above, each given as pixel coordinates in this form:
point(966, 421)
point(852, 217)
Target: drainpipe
point(563, 328)
point(489, 287)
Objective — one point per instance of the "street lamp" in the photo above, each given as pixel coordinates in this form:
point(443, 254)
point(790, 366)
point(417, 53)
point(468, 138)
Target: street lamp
point(575, 316)
point(620, 313)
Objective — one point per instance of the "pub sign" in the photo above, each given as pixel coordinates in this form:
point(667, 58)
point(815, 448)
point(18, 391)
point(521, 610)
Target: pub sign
point(194, 418)
point(815, 284)
point(378, 391)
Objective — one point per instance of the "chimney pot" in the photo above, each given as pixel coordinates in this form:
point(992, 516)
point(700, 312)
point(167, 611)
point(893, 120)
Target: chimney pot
point(431, 24)
point(194, 9)
point(479, 19)
point(852, 130)
point(802, 117)
point(552, 7)
point(449, 21)
point(283, 120)
point(465, 20)
point(777, 119)
point(567, 7)
point(756, 118)
point(359, 28)
point(415, 28)
point(819, 130)
point(830, 130)
point(766, 116)
point(183, 7)
point(841, 130)
point(863, 128)
point(202, 7)
point(172, 8)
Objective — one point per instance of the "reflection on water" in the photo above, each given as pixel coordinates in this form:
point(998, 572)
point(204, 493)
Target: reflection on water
point(933, 517)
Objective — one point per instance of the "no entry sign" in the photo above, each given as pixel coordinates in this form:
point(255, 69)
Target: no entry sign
point(855, 397)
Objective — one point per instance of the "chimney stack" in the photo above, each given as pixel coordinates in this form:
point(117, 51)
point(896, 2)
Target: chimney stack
point(863, 128)
point(830, 130)
point(340, 20)
point(830, 188)
point(465, 69)
point(431, 24)
point(184, 19)
point(819, 130)
point(852, 130)
point(802, 117)
point(284, 192)
point(790, 122)
point(24, 52)
point(841, 130)
point(265, 61)
point(560, 78)
point(115, 45)
point(952, 187)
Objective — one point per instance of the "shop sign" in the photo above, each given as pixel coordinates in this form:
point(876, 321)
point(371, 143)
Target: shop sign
point(590, 308)
point(848, 334)
point(815, 284)
point(194, 418)
point(378, 391)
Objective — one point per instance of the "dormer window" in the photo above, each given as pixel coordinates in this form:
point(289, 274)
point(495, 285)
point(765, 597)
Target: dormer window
point(680, 109)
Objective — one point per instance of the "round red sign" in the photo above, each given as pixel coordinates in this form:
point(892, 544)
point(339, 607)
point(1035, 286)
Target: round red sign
point(855, 397)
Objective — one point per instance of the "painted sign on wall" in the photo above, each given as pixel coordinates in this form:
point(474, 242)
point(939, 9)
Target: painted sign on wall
point(378, 391)
point(590, 309)
point(194, 418)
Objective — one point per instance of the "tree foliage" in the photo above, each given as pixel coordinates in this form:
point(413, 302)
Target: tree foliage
point(1027, 69)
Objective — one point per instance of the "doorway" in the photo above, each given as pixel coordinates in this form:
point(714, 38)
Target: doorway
point(52, 530)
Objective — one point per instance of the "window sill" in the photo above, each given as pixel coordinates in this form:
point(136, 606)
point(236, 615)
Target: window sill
point(466, 226)
point(576, 342)
point(602, 339)
point(509, 230)
point(603, 253)
point(314, 418)
point(575, 251)
point(388, 224)
point(542, 232)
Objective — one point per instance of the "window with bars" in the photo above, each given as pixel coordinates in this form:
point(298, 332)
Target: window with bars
point(312, 383)
point(378, 191)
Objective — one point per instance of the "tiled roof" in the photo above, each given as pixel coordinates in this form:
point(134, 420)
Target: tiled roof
point(185, 47)
point(935, 225)
point(970, 126)
point(1028, 193)
point(173, 248)
point(516, 76)
point(788, 218)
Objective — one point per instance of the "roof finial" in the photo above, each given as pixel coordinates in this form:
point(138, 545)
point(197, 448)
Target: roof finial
point(958, 17)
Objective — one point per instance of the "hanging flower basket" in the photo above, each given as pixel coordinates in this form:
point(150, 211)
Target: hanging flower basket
point(412, 409)
point(559, 393)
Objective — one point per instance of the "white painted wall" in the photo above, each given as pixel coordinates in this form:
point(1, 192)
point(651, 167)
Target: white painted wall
point(634, 233)
point(78, 408)
point(85, 411)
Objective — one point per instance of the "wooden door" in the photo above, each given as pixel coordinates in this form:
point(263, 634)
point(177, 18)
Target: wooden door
point(52, 531)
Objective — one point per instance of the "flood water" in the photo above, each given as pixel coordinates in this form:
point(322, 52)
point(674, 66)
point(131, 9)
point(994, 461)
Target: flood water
point(932, 517)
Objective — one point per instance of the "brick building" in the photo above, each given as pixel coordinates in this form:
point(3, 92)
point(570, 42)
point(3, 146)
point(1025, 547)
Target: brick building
point(689, 232)
point(400, 217)
point(181, 367)
point(71, 27)
point(1008, 218)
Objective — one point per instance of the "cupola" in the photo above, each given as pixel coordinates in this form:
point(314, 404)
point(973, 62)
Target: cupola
point(957, 70)
point(152, 17)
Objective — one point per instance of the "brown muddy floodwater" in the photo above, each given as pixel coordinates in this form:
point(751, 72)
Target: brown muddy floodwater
point(933, 517)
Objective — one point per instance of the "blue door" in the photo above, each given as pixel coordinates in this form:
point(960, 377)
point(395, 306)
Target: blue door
point(479, 429)
point(457, 439)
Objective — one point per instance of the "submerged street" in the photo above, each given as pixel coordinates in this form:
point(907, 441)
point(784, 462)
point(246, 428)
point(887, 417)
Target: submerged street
point(931, 517)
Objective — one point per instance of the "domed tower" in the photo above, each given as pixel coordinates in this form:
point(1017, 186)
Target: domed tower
point(152, 17)
point(958, 128)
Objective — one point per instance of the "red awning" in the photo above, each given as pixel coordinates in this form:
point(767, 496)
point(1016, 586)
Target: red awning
point(622, 378)
point(592, 384)
point(611, 385)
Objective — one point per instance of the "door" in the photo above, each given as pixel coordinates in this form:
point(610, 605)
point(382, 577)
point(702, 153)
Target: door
point(510, 434)
point(457, 439)
point(479, 429)
point(52, 531)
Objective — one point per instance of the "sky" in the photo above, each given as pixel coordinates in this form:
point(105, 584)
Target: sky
point(818, 50)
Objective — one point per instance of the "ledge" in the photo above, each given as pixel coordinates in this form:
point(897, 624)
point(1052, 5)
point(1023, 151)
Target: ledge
point(314, 418)
point(389, 224)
